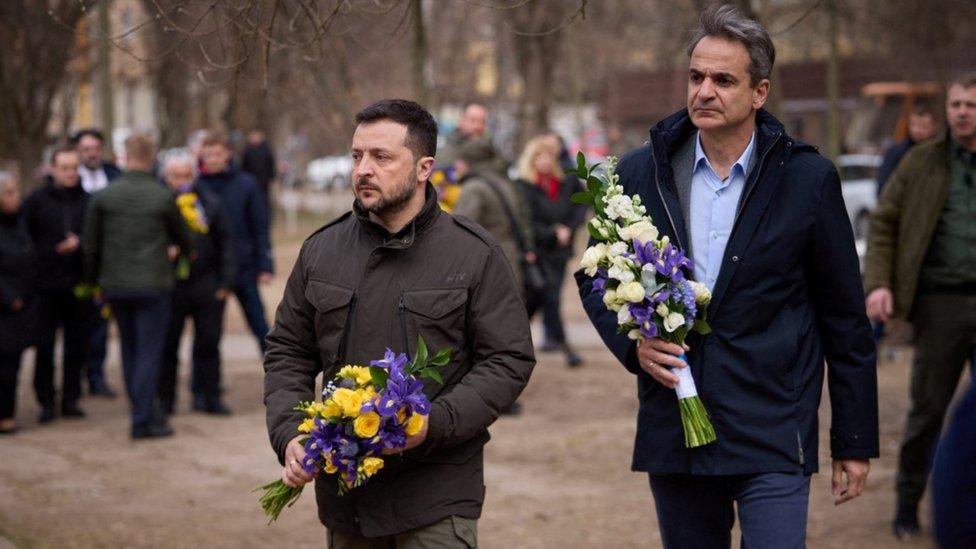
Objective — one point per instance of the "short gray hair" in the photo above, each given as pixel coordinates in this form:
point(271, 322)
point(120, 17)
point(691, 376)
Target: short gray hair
point(173, 157)
point(728, 22)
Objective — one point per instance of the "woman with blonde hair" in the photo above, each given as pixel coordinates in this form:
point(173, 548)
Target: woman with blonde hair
point(16, 297)
point(555, 218)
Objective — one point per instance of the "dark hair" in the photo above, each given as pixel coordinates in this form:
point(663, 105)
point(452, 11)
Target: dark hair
point(923, 109)
point(61, 150)
point(967, 80)
point(421, 127)
point(216, 137)
point(728, 22)
point(97, 134)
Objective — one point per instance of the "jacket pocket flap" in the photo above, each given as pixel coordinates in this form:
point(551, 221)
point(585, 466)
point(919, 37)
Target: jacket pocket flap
point(434, 303)
point(326, 297)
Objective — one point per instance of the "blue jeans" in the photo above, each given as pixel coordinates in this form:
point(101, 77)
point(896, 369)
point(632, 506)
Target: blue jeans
point(143, 320)
point(698, 511)
point(250, 300)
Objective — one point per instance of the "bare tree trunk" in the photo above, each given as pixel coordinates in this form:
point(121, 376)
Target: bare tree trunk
point(418, 54)
point(106, 102)
point(833, 84)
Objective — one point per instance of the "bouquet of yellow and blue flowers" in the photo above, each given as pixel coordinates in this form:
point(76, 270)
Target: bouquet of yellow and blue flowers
point(364, 412)
point(643, 280)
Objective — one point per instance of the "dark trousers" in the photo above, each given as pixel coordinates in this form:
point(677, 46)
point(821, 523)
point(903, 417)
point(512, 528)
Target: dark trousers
point(60, 310)
point(250, 300)
point(142, 322)
point(9, 368)
point(698, 511)
point(196, 301)
point(97, 346)
point(945, 338)
point(549, 300)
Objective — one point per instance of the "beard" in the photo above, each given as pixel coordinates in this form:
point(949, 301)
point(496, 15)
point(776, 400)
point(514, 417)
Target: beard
point(388, 204)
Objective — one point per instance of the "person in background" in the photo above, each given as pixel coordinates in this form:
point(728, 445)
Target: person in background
point(129, 230)
point(921, 267)
point(96, 173)
point(204, 280)
point(922, 126)
point(555, 218)
point(954, 478)
point(491, 200)
point(259, 160)
point(54, 214)
point(247, 218)
point(472, 124)
point(16, 297)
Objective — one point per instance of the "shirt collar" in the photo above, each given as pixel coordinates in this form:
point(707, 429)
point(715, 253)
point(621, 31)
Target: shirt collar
point(742, 163)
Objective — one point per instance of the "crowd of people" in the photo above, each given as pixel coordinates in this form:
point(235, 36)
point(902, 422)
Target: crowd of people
point(163, 240)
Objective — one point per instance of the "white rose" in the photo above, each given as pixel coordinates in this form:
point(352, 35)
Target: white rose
point(632, 292)
point(592, 258)
point(674, 321)
point(662, 311)
point(624, 316)
point(702, 294)
point(621, 269)
point(634, 334)
point(617, 248)
point(643, 231)
point(610, 300)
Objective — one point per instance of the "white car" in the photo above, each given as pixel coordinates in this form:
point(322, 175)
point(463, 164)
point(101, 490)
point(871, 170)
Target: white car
point(859, 183)
point(329, 173)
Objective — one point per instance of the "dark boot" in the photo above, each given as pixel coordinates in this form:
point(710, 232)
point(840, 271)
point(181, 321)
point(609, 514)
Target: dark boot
point(905, 526)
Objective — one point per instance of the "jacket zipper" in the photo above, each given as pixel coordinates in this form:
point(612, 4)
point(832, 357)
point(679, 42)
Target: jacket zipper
point(341, 356)
point(403, 326)
point(664, 203)
point(799, 445)
point(762, 168)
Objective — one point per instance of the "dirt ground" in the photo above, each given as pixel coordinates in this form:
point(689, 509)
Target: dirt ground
point(558, 475)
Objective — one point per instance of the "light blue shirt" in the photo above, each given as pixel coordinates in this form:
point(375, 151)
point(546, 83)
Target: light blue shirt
point(713, 207)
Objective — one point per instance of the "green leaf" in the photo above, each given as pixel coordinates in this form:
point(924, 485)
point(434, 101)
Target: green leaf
point(581, 170)
point(379, 376)
point(420, 359)
point(582, 198)
point(594, 181)
point(442, 358)
point(432, 373)
point(594, 233)
point(702, 327)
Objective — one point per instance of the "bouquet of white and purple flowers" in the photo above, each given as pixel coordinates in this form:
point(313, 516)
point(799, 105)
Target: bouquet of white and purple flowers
point(364, 412)
point(642, 279)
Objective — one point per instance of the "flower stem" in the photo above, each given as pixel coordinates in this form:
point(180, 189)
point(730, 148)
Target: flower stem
point(698, 429)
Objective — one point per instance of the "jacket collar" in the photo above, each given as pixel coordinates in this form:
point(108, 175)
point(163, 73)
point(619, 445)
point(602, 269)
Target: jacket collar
point(408, 235)
point(669, 134)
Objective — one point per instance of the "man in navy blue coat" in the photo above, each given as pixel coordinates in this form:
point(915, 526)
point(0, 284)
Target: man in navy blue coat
point(762, 217)
point(247, 217)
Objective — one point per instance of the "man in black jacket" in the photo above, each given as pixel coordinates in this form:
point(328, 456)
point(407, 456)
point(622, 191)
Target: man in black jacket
point(762, 217)
point(247, 218)
point(258, 160)
point(96, 174)
point(395, 268)
point(204, 280)
point(55, 214)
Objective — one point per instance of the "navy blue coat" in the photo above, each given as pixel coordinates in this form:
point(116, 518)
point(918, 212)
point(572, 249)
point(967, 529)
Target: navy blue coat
point(247, 219)
point(954, 478)
point(787, 297)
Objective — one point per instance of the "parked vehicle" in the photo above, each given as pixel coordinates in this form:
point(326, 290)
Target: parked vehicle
point(330, 173)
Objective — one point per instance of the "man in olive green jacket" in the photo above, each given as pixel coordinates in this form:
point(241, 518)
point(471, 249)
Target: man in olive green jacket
point(128, 232)
point(921, 267)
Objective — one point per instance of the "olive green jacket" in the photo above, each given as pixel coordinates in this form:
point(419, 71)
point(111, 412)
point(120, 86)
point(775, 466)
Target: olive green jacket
point(903, 223)
point(128, 228)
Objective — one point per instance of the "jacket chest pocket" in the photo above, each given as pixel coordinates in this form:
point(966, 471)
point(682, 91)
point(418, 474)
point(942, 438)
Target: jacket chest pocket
point(335, 310)
point(439, 317)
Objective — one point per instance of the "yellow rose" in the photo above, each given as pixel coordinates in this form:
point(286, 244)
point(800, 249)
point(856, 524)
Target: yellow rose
point(349, 400)
point(367, 425)
point(416, 424)
point(306, 426)
point(372, 465)
point(331, 409)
